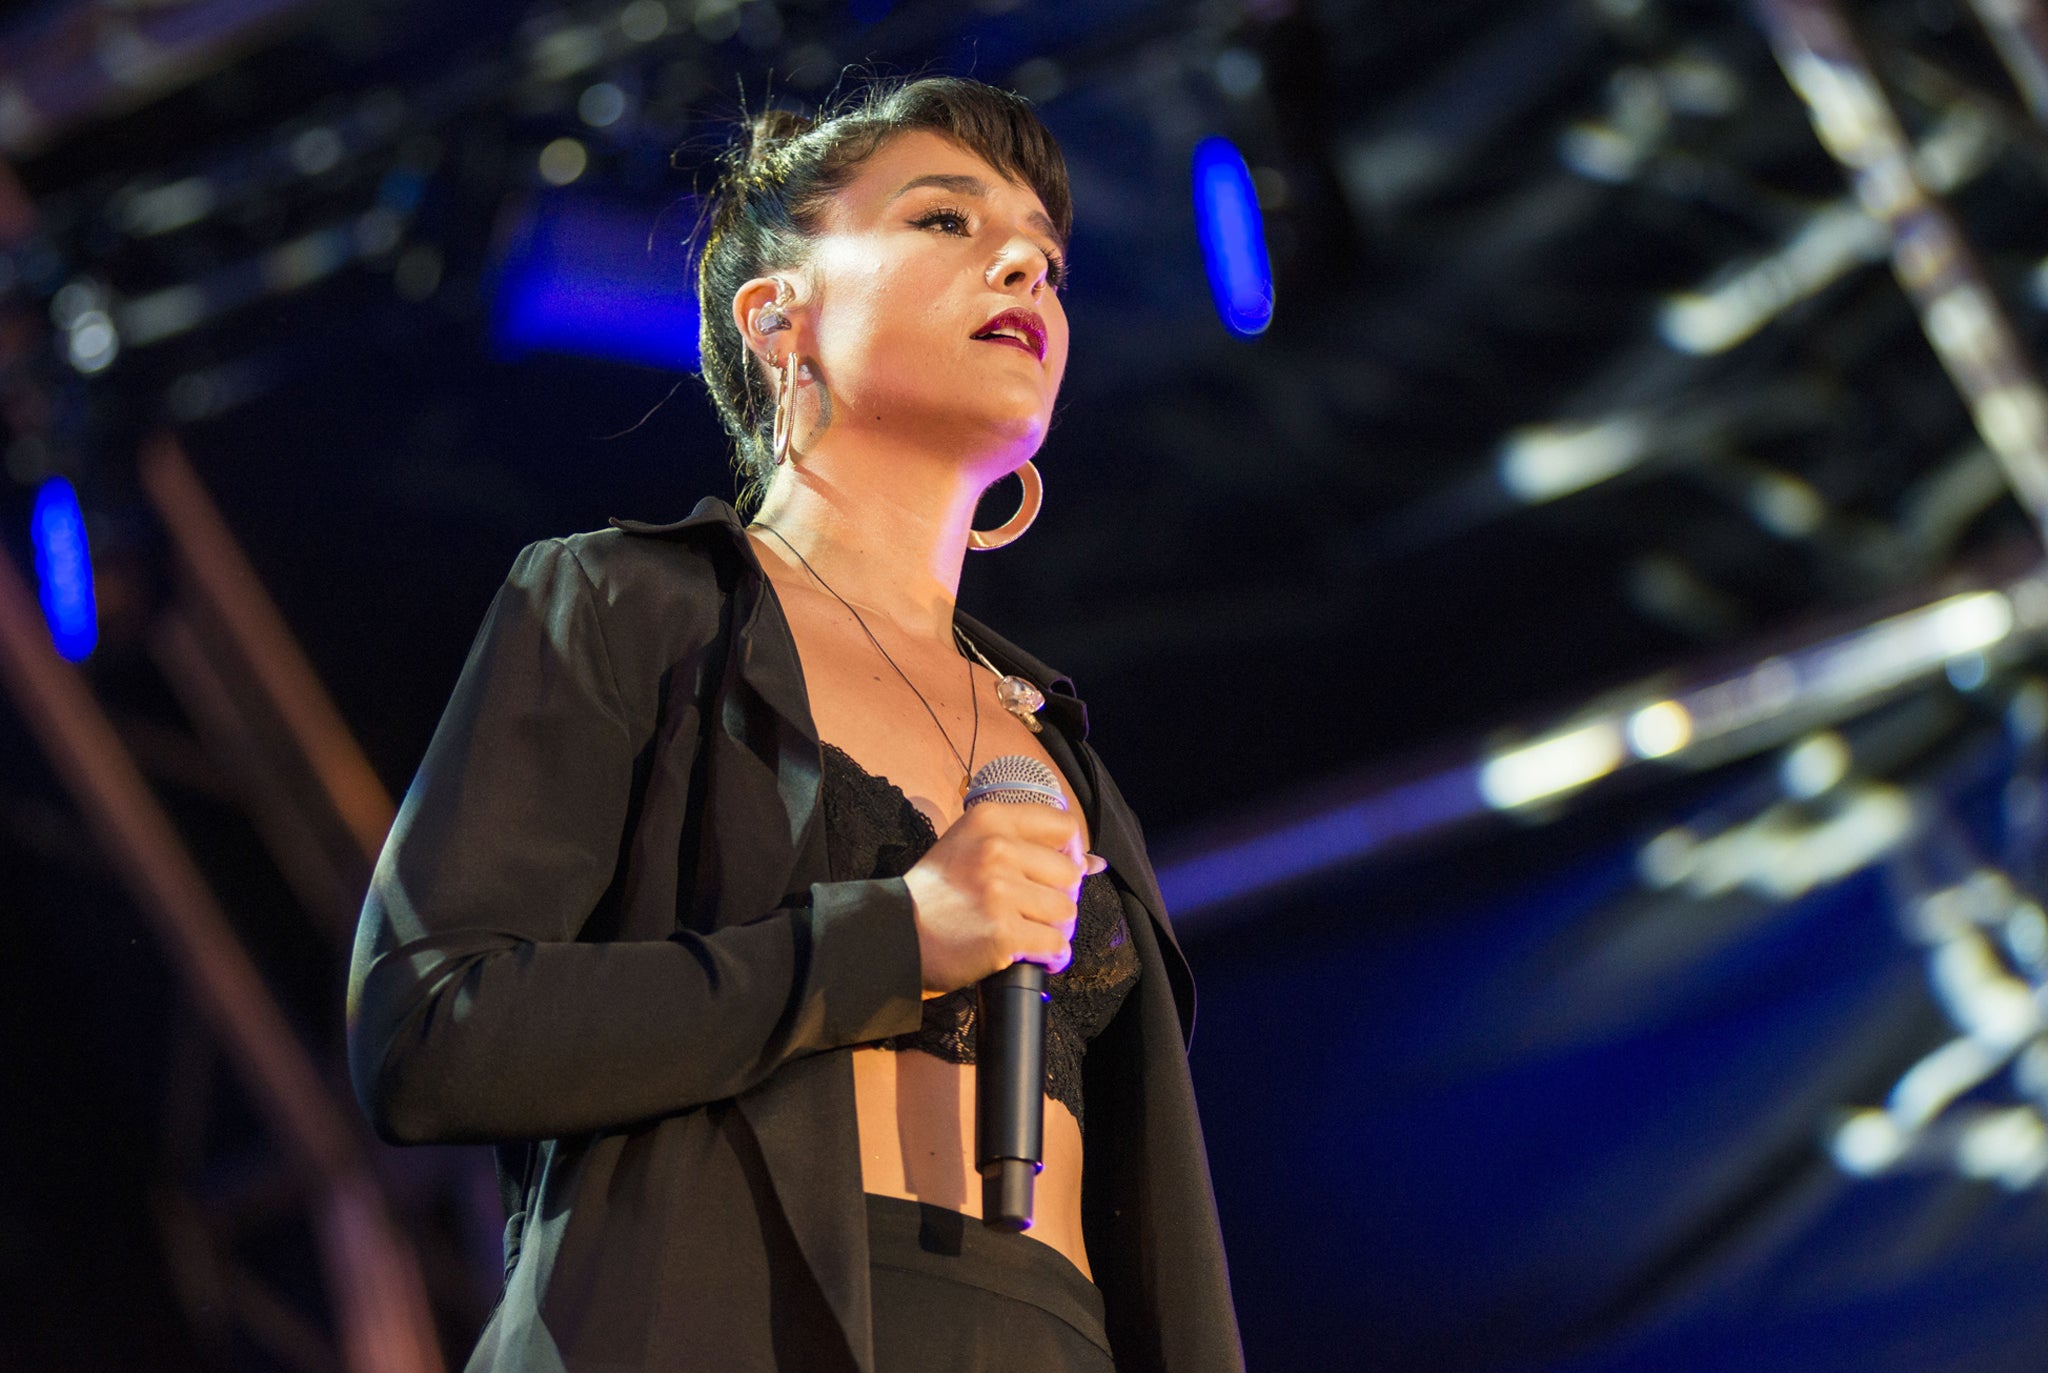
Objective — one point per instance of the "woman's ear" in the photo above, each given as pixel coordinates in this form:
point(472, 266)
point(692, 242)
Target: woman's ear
point(763, 308)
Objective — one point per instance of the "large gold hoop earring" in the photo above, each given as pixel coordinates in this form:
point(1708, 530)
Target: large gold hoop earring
point(784, 432)
point(1013, 528)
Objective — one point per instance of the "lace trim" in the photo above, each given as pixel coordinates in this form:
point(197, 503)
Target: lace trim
point(872, 829)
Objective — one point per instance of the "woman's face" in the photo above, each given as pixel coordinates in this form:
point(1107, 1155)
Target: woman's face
point(933, 305)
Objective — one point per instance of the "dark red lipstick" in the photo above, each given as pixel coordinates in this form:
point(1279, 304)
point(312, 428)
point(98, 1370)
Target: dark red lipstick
point(1019, 327)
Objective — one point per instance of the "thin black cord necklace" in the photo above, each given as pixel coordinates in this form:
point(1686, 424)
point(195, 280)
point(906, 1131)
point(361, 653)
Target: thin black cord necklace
point(974, 697)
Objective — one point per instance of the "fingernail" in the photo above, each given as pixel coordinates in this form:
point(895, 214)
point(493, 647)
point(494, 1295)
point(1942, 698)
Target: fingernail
point(1097, 863)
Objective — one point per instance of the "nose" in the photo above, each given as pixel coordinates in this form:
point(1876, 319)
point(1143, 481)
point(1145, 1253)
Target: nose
point(1018, 264)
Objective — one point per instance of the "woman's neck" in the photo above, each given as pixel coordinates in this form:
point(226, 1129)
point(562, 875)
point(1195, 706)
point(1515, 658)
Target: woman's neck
point(888, 533)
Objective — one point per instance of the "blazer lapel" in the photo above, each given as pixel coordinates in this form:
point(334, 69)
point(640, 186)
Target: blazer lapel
point(1111, 826)
point(766, 759)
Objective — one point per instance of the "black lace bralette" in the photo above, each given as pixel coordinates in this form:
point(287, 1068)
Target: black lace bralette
point(873, 830)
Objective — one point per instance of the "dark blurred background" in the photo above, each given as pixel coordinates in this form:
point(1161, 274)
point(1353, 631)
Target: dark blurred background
point(1571, 636)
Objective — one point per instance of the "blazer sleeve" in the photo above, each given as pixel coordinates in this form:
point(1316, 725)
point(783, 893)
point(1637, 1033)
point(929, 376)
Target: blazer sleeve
point(474, 1012)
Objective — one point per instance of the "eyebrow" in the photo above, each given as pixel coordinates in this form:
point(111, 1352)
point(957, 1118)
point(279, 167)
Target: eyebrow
point(974, 186)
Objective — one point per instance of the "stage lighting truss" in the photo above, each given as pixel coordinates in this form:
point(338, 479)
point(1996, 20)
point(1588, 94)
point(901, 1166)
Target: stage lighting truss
point(1977, 1104)
point(1792, 702)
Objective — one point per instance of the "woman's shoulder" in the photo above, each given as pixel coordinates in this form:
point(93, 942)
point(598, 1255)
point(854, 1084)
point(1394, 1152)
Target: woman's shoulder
point(617, 563)
point(648, 594)
point(634, 564)
point(639, 555)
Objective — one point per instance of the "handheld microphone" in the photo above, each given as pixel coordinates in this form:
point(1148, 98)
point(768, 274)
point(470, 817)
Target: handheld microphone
point(1009, 1071)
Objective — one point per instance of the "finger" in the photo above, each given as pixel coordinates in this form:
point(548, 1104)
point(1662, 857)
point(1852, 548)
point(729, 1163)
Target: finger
point(1051, 952)
point(1047, 906)
point(1043, 934)
point(1097, 863)
point(1007, 856)
point(1055, 829)
point(1048, 867)
point(1078, 851)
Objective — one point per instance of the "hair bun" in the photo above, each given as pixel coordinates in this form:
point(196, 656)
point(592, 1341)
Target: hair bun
point(768, 134)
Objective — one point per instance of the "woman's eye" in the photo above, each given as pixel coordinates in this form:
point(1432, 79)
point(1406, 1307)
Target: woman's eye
point(952, 221)
point(957, 222)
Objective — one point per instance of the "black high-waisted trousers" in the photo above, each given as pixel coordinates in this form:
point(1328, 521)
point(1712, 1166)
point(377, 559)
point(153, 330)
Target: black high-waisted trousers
point(952, 1296)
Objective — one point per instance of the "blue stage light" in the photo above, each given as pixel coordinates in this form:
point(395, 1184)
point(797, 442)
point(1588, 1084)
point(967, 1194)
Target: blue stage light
point(64, 569)
point(1245, 865)
point(1233, 238)
point(579, 277)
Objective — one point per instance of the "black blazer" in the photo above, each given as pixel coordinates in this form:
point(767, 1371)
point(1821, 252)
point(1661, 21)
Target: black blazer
point(601, 938)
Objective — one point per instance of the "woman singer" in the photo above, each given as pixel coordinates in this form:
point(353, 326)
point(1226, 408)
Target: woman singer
point(684, 911)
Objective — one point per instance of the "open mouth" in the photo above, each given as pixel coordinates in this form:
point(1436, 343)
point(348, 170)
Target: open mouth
point(1018, 328)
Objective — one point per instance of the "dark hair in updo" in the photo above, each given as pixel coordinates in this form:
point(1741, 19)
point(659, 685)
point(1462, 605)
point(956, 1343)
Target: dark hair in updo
point(775, 180)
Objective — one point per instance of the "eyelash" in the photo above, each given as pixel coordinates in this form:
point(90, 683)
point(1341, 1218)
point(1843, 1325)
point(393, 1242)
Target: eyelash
point(1055, 264)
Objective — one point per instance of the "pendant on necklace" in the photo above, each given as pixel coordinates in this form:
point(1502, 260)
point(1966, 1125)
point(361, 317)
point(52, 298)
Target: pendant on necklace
point(1022, 700)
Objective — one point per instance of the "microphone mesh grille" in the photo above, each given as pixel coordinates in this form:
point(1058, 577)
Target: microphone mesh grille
point(1016, 779)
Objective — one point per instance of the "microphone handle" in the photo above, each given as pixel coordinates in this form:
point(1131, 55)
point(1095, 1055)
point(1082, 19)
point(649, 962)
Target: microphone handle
point(1009, 1073)
point(1009, 1087)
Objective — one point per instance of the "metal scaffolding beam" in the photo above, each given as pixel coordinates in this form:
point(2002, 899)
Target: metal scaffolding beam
point(372, 1275)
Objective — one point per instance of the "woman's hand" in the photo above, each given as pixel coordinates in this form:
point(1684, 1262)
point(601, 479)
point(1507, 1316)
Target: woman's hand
point(998, 888)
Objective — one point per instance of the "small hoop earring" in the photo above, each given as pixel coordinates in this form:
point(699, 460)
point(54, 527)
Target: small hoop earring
point(784, 433)
point(1013, 528)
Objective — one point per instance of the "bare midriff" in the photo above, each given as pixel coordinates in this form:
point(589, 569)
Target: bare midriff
point(917, 1142)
